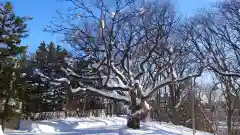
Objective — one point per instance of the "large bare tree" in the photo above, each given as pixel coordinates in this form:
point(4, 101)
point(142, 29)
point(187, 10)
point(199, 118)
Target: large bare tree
point(133, 49)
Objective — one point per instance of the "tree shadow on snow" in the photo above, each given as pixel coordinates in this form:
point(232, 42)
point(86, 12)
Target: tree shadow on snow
point(62, 127)
point(70, 128)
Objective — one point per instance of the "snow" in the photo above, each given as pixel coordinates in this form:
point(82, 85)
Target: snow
point(78, 89)
point(108, 94)
point(102, 24)
point(118, 72)
point(138, 101)
point(63, 80)
point(56, 83)
point(227, 73)
point(23, 74)
point(146, 108)
point(72, 72)
point(113, 14)
point(11, 102)
point(1, 132)
point(69, 61)
point(98, 126)
point(38, 72)
point(112, 84)
point(142, 11)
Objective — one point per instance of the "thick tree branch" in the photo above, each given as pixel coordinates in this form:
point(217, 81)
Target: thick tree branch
point(233, 74)
point(149, 94)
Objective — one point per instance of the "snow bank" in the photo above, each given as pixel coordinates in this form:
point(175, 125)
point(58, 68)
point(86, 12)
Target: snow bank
point(102, 126)
point(1, 132)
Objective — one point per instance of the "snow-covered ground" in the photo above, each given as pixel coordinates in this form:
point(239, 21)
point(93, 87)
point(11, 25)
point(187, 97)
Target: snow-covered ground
point(98, 126)
point(1, 132)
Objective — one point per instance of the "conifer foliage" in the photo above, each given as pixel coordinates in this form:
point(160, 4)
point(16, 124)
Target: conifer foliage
point(47, 95)
point(12, 29)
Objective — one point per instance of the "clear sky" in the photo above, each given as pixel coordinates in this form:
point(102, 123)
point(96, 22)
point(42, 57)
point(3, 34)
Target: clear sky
point(43, 12)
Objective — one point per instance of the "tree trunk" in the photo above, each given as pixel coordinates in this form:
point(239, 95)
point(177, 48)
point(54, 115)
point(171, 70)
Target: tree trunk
point(3, 124)
point(5, 113)
point(229, 121)
point(66, 113)
point(139, 109)
point(175, 117)
point(84, 106)
point(77, 112)
point(136, 117)
point(18, 124)
point(139, 113)
point(229, 104)
point(58, 114)
point(133, 123)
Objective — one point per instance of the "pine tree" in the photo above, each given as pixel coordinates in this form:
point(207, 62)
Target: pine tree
point(12, 29)
point(44, 95)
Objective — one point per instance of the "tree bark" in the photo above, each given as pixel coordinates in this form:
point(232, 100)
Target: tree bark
point(139, 111)
point(229, 104)
point(229, 121)
point(5, 113)
point(133, 123)
point(175, 116)
point(66, 113)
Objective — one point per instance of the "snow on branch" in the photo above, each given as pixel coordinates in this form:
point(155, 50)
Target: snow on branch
point(62, 80)
point(117, 87)
point(118, 73)
point(146, 108)
point(74, 90)
point(70, 72)
point(109, 95)
point(38, 72)
point(226, 73)
point(59, 80)
point(149, 93)
point(111, 86)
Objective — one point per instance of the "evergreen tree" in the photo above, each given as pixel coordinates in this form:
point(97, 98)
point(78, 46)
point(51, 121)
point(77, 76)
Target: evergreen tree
point(12, 29)
point(46, 95)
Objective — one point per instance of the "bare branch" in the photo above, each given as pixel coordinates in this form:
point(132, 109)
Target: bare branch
point(148, 94)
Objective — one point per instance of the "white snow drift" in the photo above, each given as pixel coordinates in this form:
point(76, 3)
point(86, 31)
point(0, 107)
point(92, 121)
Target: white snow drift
point(99, 126)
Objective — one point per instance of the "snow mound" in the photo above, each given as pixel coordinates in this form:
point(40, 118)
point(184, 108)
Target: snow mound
point(1, 132)
point(100, 126)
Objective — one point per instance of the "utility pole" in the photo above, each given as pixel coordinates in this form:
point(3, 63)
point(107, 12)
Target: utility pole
point(193, 107)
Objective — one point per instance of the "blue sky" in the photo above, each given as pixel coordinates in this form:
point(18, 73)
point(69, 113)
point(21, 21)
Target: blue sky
point(43, 12)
